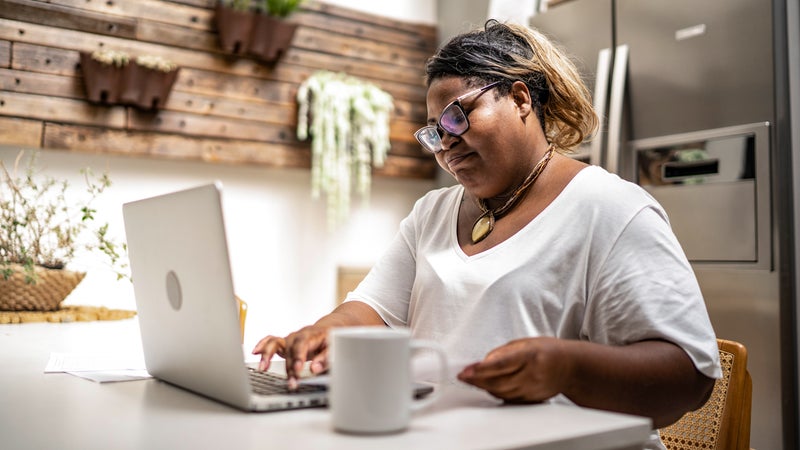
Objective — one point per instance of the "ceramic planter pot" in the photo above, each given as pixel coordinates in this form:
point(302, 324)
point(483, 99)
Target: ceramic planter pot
point(234, 28)
point(102, 81)
point(270, 38)
point(146, 88)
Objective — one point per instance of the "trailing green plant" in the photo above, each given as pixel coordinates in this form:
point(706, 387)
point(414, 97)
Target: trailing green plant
point(41, 226)
point(279, 8)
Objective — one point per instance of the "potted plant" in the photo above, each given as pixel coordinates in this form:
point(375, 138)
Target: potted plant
point(235, 22)
point(272, 34)
point(147, 82)
point(102, 72)
point(42, 230)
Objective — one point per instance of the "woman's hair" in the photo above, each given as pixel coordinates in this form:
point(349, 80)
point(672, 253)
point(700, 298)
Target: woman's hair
point(509, 53)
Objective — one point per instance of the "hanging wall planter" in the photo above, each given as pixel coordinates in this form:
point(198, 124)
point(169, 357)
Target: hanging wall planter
point(112, 79)
point(235, 26)
point(147, 82)
point(102, 74)
point(256, 28)
point(270, 38)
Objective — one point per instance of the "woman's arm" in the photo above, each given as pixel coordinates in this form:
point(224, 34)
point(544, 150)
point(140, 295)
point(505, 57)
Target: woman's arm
point(649, 378)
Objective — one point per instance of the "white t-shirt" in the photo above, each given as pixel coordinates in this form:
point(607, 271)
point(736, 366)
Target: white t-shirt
point(599, 264)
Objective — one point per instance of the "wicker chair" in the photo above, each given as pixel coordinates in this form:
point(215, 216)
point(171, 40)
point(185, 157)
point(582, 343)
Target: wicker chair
point(724, 421)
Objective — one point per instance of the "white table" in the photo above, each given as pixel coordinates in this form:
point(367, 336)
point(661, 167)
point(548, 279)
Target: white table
point(61, 411)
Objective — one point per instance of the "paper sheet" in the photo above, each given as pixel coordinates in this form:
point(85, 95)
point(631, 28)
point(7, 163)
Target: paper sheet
point(101, 368)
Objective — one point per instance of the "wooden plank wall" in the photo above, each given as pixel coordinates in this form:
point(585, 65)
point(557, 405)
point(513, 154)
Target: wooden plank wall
point(222, 108)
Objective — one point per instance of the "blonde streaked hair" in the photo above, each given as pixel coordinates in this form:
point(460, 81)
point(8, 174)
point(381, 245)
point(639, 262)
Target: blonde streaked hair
point(507, 53)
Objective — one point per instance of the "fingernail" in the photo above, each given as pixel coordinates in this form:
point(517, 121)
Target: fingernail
point(291, 383)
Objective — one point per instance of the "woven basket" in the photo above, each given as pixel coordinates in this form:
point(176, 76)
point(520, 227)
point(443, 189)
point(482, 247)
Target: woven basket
point(50, 289)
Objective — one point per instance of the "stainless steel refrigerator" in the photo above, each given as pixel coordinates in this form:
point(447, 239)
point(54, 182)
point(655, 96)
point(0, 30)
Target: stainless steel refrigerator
point(695, 97)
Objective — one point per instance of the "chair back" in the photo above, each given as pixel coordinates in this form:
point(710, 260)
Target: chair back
point(724, 421)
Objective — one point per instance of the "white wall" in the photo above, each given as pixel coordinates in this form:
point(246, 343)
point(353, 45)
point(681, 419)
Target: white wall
point(283, 255)
point(419, 11)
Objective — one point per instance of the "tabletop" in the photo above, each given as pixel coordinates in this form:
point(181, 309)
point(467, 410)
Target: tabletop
point(58, 410)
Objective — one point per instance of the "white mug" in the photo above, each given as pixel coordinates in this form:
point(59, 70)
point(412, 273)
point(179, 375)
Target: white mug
point(371, 388)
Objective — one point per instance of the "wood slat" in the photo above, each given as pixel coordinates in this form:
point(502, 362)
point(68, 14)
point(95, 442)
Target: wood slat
point(426, 31)
point(398, 166)
point(155, 10)
point(56, 15)
point(198, 3)
point(232, 108)
point(98, 140)
point(204, 126)
point(46, 60)
point(42, 84)
point(20, 132)
point(5, 54)
point(360, 49)
point(366, 30)
point(14, 104)
point(178, 36)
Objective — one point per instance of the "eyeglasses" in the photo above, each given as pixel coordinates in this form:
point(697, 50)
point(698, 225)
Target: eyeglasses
point(452, 121)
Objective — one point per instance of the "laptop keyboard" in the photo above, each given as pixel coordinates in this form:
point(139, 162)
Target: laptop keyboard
point(266, 383)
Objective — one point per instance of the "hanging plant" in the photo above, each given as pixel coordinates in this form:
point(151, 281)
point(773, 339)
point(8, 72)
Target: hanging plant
point(348, 122)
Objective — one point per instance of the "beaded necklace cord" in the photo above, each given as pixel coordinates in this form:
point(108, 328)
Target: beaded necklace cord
point(484, 225)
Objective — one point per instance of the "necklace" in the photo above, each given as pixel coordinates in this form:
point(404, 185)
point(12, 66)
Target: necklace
point(484, 225)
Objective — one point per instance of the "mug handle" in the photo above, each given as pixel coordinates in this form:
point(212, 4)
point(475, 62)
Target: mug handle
point(426, 401)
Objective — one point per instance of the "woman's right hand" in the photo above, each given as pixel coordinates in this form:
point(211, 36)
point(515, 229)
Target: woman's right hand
point(307, 344)
point(310, 344)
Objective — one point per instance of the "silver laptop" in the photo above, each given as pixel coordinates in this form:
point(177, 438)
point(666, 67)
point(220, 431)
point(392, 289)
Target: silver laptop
point(187, 311)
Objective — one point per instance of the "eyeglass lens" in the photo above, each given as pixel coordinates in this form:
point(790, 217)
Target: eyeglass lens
point(453, 120)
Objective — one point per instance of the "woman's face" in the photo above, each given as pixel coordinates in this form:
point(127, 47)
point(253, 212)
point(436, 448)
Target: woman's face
point(495, 154)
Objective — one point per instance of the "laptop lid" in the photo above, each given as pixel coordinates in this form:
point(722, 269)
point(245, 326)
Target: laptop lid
point(188, 315)
point(184, 293)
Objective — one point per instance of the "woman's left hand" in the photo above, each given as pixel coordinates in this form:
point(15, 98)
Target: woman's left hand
point(522, 371)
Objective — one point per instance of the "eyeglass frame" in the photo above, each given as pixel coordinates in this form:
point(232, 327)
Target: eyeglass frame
point(457, 103)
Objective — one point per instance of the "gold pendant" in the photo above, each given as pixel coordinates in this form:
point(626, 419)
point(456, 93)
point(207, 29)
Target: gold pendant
point(482, 227)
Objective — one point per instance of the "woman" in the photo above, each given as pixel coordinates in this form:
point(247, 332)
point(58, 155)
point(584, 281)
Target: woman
point(545, 276)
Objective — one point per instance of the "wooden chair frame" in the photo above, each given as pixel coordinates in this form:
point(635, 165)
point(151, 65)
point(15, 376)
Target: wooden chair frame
point(723, 422)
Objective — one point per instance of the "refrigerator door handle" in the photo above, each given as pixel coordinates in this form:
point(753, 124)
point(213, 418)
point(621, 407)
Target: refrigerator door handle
point(615, 108)
point(600, 99)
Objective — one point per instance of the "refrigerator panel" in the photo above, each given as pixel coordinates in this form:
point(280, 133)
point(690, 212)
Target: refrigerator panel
point(592, 18)
point(715, 187)
point(696, 65)
point(591, 49)
point(744, 306)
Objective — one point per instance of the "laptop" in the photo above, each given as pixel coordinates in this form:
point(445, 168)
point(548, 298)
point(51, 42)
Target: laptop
point(187, 311)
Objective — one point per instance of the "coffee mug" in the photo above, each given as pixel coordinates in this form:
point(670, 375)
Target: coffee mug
point(371, 390)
